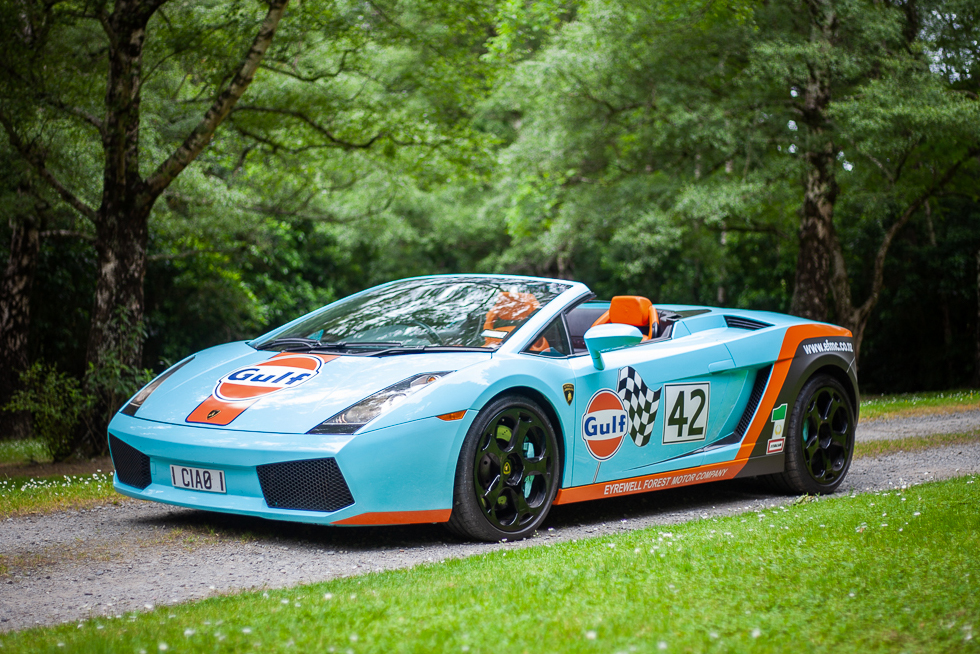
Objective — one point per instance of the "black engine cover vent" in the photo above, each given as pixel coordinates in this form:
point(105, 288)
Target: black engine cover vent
point(308, 485)
point(132, 466)
point(737, 322)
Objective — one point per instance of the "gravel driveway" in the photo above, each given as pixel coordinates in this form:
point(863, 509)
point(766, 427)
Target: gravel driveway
point(109, 560)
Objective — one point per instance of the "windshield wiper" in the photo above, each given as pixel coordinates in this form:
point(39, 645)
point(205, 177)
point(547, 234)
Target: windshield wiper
point(301, 344)
point(290, 344)
point(426, 349)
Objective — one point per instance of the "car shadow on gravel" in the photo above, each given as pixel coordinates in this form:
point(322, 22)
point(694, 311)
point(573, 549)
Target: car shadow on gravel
point(648, 507)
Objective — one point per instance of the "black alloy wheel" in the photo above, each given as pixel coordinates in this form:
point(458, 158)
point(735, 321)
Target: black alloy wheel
point(508, 472)
point(820, 440)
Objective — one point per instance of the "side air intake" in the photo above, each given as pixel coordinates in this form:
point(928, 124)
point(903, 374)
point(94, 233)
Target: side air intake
point(309, 485)
point(132, 466)
point(738, 322)
point(758, 388)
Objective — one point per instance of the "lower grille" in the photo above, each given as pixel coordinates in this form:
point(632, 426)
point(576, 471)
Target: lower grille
point(309, 485)
point(132, 466)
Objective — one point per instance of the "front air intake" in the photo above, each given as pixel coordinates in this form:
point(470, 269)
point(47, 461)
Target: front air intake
point(758, 388)
point(132, 466)
point(309, 485)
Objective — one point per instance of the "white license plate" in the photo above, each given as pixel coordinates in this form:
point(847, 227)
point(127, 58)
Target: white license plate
point(202, 479)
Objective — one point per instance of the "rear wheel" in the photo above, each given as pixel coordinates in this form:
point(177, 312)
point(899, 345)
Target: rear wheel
point(820, 439)
point(508, 472)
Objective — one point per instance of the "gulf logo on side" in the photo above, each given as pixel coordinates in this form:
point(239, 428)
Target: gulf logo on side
point(253, 382)
point(604, 424)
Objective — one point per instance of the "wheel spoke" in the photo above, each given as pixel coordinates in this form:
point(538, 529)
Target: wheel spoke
point(839, 437)
point(812, 446)
point(493, 446)
point(491, 494)
point(540, 465)
point(835, 403)
point(522, 507)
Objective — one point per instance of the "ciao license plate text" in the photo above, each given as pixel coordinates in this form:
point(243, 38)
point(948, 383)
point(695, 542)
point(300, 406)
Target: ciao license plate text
point(212, 481)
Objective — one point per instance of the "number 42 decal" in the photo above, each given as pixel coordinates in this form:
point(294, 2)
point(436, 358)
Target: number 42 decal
point(687, 412)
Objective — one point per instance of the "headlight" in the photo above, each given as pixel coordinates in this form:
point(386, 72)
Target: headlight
point(354, 417)
point(138, 399)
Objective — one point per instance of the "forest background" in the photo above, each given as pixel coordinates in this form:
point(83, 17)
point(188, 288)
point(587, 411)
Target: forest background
point(177, 174)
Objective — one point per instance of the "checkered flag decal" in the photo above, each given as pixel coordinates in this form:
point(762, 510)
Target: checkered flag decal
point(641, 404)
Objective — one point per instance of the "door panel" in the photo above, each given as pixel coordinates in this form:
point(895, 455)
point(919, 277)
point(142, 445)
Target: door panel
point(675, 397)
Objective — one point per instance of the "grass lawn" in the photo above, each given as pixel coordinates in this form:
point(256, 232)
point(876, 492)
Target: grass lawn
point(875, 407)
point(913, 443)
point(893, 571)
point(31, 450)
point(21, 495)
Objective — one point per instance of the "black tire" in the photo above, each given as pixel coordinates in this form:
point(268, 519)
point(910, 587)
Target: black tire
point(820, 438)
point(508, 472)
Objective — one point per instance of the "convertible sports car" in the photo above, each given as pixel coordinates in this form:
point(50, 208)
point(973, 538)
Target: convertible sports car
point(482, 400)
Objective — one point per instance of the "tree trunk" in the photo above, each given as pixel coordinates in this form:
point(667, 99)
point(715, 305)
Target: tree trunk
point(813, 264)
point(15, 318)
point(976, 369)
point(943, 302)
point(121, 220)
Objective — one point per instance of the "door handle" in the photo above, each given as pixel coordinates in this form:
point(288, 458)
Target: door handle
point(721, 366)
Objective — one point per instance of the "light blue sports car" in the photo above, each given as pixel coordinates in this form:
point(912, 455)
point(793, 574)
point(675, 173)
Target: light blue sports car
point(480, 401)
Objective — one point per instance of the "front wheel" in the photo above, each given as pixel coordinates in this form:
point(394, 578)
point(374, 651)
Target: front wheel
point(820, 439)
point(508, 472)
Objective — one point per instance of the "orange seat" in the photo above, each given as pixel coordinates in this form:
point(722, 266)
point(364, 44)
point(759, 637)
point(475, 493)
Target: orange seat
point(509, 306)
point(632, 310)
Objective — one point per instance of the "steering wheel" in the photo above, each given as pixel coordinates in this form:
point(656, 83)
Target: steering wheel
point(431, 333)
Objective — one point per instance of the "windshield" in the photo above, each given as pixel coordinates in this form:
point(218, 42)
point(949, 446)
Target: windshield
point(442, 312)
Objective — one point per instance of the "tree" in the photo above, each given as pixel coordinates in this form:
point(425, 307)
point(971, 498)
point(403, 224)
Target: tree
point(654, 141)
point(35, 40)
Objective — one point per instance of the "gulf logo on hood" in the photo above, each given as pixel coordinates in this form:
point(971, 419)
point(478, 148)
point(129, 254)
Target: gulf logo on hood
point(252, 382)
point(604, 424)
point(241, 388)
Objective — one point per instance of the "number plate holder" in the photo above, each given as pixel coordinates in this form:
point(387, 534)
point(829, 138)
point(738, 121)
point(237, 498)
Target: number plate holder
point(199, 479)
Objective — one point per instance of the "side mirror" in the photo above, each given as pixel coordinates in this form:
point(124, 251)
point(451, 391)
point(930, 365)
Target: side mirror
point(603, 338)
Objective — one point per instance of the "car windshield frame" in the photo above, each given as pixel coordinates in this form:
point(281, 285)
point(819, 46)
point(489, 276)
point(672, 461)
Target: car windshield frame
point(420, 314)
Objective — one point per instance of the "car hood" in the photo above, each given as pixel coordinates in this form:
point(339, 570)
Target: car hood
point(245, 389)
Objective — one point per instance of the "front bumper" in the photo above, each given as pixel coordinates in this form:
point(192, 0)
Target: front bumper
point(395, 475)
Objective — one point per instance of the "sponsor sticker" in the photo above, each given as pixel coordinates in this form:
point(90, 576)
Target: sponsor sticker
point(239, 389)
point(828, 346)
point(253, 382)
point(775, 444)
point(653, 483)
point(604, 424)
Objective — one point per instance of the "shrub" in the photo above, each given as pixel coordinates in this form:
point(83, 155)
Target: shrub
point(58, 405)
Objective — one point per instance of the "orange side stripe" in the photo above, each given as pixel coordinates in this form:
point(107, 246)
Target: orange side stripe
point(647, 483)
point(397, 518)
point(791, 341)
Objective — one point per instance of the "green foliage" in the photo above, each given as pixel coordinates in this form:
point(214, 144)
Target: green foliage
point(57, 404)
point(654, 148)
point(69, 414)
point(111, 384)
